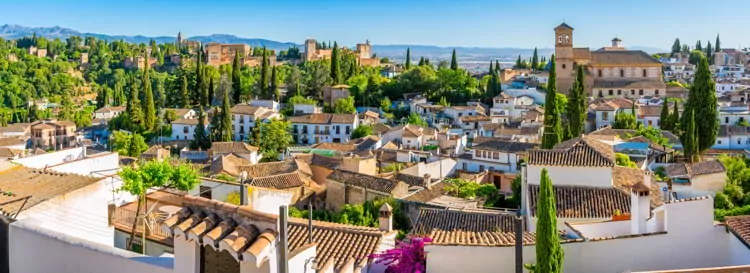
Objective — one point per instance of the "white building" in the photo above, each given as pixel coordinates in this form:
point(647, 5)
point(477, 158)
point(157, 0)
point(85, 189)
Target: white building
point(494, 155)
point(732, 137)
point(108, 112)
point(307, 109)
point(246, 117)
point(456, 112)
point(605, 110)
point(514, 107)
point(315, 128)
point(411, 136)
point(270, 104)
point(240, 149)
point(184, 129)
point(181, 113)
point(690, 180)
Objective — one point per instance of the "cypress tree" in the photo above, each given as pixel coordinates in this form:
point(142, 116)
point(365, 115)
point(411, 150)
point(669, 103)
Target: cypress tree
point(133, 108)
point(698, 46)
point(535, 60)
point(491, 82)
point(577, 109)
point(454, 60)
point(264, 76)
point(198, 94)
point(518, 62)
point(549, 253)
point(200, 138)
point(226, 119)
point(274, 85)
point(408, 58)
point(497, 66)
point(676, 47)
point(689, 136)
point(185, 100)
point(102, 97)
point(674, 119)
point(709, 52)
point(211, 88)
point(149, 109)
point(665, 119)
point(236, 81)
point(702, 104)
point(421, 61)
point(717, 45)
point(335, 66)
point(552, 128)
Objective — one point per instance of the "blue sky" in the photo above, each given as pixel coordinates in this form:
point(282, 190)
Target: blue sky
point(482, 23)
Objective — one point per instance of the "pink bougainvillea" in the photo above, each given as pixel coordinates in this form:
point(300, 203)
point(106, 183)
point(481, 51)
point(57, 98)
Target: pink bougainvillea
point(407, 257)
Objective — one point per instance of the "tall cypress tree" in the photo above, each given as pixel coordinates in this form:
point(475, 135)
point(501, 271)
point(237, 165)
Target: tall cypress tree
point(211, 88)
point(454, 60)
point(690, 138)
point(702, 104)
point(421, 61)
point(133, 108)
point(200, 137)
point(674, 118)
point(497, 67)
point(577, 110)
point(549, 253)
point(518, 62)
point(552, 127)
point(710, 52)
point(491, 82)
point(717, 45)
point(184, 94)
point(535, 60)
point(263, 88)
point(676, 47)
point(335, 64)
point(236, 81)
point(198, 93)
point(226, 119)
point(149, 109)
point(698, 46)
point(664, 117)
point(274, 85)
point(408, 58)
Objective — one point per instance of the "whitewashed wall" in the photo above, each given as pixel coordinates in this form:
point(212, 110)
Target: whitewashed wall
point(53, 158)
point(434, 169)
point(103, 164)
point(565, 175)
point(37, 249)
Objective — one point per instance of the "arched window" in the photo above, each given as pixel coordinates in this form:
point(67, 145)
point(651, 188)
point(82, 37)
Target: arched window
point(563, 66)
point(622, 73)
point(559, 39)
point(644, 73)
point(567, 39)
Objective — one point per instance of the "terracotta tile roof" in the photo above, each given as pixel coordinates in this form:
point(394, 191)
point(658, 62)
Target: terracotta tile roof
point(64, 123)
point(475, 118)
point(412, 180)
point(40, 185)
point(365, 143)
point(228, 164)
point(383, 185)
point(500, 145)
point(243, 109)
point(624, 178)
point(449, 227)
point(698, 168)
point(156, 151)
point(342, 147)
point(232, 147)
point(387, 156)
point(15, 128)
point(380, 128)
point(324, 118)
point(11, 141)
point(278, 181)
point(627, 134)
point(580, 151)
point(244, 232)
point(192, 121)
point(583, 202)
point(427, 194)
point(650, 111)
point(624, 57)
point(110, 109)
point(530, 130)
point(733, 130)
point(740, 227)
point(326, 161)
point(581, 53)
point(268, 168)
point(9, 153)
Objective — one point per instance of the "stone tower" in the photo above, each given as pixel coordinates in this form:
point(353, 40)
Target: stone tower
point(310, 48)
point(364, 51)
point(564, 57)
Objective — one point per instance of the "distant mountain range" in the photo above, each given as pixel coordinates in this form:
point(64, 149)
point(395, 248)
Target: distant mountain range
point(396, 52)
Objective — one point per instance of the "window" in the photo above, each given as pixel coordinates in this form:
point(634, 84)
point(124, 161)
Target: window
point(204, 192)
point(137, 245)
point(563, 66)
point(619, 92)
point(492, 169)
point(726, 120)
point(599, 73)
point(185, 129)
point(739, 141)
point(622, 73)
point(605, 116)
point(656, 92)
point(610, 92)
point(465, 166)
point(640, 92)
point(496, 155)
point(718, 142)
point(632, 92)
point(650, 122)
point(600, 94)
point(567, 39)
point(644, 73)
point(481, 168)
point(559, 39)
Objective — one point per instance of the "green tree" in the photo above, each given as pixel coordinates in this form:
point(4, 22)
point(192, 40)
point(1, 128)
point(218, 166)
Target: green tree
point(695, 56)
point(625, 120)
point(362, 131)
point(454, 60)
point(443, 102)
point(577, 108)
point(335, 64)
point(674, 118)
point(344, 106)
point(198, 93)
point(408, 58)
point(717, 45)
point(128, 144)
point(102, 97)
point(133, 109)
point(416, 120)
point(211, 88)
point(549, 253)
point(274, 138)
point(676, 47)
point(149, 109)
point(274, 85)
point(698, 46)
point(664, 118)
point(184, 95)
point(702, 104)
point(535, 60)
point(709, 52)
point(138, 179)
point(264, 77)
point(236, 80)
point(552, 127)
point(226, 120)
point(201, 138)
point(624, 160)
point(690, 140)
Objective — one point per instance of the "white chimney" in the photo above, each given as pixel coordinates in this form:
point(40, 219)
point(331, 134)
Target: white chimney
point(386, 218)
point(640, 205)
point(616, 42)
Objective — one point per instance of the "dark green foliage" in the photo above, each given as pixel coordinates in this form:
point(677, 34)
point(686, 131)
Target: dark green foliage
point(236, 81)
point(577, 106)
point(676, 48)
point(549, 253)
point(362, 131)
point(335, 64)
point(702, 104)
point(535, 60)
point(698, 46)
point(625, 120)
point(408, 58)
point(185, 95)
point(274, 88)
point(149, 109)
point(717, 45)
point(201, 138)
point(226, 120)
point(365, 214)
point(665, 118)
point(454, 60)
point(552, 127)
point(264, 77)
point(690, 142)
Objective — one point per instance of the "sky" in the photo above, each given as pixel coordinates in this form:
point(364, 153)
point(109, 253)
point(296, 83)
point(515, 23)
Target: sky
point(472, 23)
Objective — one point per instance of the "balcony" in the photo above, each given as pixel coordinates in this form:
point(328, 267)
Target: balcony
point(162, 206)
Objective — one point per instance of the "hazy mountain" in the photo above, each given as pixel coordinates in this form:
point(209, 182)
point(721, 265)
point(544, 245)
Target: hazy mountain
point(396, 52)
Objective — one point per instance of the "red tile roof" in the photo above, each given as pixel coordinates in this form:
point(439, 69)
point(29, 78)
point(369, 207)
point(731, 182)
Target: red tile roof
point(580, 151)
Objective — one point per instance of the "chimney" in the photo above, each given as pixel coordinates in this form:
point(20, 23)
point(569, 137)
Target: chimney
point(616, 42)
point(243, 189)
point(386, 218)
point(426, 181)
point(640, 205)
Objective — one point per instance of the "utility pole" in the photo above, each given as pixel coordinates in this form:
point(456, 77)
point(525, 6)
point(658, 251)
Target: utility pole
point(283, 242)
point(519, 241)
